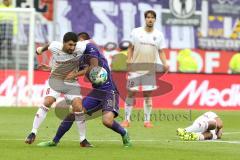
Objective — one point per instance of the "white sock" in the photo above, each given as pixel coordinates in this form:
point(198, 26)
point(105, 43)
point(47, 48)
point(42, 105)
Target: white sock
point(147, 108)
point(81, 124)
point(128, 108)
point(39, 118)
point(198, 127)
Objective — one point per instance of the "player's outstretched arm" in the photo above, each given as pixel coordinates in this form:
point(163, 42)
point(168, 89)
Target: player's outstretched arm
point(75, 74)
point(42, 49)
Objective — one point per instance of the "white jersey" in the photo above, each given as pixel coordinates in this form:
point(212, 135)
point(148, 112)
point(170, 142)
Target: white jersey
point(146, 45)
point(208, 116)
point(62, 62)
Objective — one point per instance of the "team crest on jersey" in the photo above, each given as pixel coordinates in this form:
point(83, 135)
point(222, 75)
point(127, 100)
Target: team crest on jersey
point(154, 38)
point(92, 50)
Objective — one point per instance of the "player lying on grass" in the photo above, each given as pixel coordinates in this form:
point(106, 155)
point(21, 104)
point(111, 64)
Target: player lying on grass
point(206, 127)
point(65, 59)
point(103, 97)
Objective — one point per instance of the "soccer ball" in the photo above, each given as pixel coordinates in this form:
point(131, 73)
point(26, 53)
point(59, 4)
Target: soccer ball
point(98, 75)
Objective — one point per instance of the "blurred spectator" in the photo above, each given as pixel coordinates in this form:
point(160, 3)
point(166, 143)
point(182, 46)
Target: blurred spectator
point(119, 61)
point(234, 63)
point(8, 28)
point(186, 62)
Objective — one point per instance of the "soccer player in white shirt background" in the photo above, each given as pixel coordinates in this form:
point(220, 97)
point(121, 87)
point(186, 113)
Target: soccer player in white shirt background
point(65, 60)
point(147, 43)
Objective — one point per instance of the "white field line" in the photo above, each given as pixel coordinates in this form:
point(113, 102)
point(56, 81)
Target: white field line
point(229, 133)
point(211, 141)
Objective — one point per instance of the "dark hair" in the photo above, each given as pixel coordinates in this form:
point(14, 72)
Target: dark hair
point(152, 12)
point(84, 35)
point(70, 36)
point(124, 45)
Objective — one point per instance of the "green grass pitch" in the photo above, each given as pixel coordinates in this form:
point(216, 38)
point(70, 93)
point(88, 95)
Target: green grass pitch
point(159, 142)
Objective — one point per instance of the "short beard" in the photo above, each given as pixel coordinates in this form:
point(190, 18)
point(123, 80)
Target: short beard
point(148, 26)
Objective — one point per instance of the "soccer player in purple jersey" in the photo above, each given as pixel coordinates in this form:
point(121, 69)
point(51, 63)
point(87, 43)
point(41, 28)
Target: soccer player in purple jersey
point(103, 97)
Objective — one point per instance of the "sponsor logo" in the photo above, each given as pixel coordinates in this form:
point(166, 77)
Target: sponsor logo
point(210, 97)
point(16, 91)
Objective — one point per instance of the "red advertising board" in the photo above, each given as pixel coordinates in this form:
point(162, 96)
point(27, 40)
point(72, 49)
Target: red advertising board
point(176, 91)
point(201, 91)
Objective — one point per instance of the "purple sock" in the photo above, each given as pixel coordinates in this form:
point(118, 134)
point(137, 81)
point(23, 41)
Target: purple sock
point(117, 128)
point(64, 127)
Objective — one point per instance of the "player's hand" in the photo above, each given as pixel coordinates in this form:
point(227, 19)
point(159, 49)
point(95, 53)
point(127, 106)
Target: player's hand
point(89, 68)
point(39, 50)
point(165, 68)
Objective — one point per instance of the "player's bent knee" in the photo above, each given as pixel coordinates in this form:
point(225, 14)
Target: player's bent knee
point(107, 118)
point(107, 122)
point(77, 104)
point(76, 101)
point(48, 101)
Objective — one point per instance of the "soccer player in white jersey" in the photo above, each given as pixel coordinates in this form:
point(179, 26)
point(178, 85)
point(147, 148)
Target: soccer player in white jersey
point(147, 43)
point(208, 126)
point(65, 60)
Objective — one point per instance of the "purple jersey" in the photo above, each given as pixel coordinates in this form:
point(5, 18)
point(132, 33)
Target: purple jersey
point(104, 96)
point(92, 51)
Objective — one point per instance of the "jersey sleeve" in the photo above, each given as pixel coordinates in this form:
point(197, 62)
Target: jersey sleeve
point(55, 47)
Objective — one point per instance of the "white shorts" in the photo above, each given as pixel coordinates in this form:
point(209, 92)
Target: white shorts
point(70, 91)
point(147, 82)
